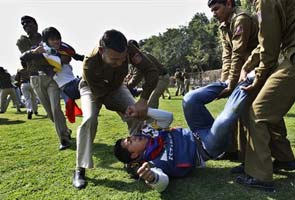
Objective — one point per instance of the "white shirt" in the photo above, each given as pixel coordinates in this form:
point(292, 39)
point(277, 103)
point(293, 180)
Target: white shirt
point(64, 76)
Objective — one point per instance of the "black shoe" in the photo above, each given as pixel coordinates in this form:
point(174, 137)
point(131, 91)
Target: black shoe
point(36, 113)
point(70, 133)
point(240, 169)
point(79, 179)
point(64, 145)
point(249, 181)
point(169, 97)
point(285, 165)
point(30, 115)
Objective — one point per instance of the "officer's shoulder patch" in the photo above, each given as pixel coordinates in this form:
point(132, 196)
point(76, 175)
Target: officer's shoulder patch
point(239, 30)
point(137, 58)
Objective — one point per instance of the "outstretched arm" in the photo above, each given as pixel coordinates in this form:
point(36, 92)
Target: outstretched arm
point(163, 118)
point(153, 176)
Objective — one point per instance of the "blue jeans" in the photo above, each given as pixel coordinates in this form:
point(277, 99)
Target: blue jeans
point(214, 134)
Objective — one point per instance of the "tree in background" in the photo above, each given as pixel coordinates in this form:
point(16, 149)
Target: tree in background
point(193, 47)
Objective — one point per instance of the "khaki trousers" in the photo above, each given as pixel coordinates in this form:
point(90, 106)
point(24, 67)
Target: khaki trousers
point(4, 102)
point(30, 97)
point(49, 94)
point(118, 101)
point(162, 85)
point(267, 124)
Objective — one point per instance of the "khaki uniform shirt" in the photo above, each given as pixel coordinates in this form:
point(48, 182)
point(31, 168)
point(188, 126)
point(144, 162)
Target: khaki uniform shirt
point(22, 76)
point(103, 79)
point(137, 75)
point(276, 20)
point(25, 44)
point(239, 38)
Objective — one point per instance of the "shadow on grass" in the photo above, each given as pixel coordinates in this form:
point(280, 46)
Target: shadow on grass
point(104, 153)
point(120, 185)
point(218, 183)
point(37, 117)
point(290, 115)
point(5, 121)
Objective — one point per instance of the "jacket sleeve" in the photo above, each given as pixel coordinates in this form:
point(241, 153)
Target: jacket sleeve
point(148, 69)
point(161, 180)
point(269, 37)
point(253, 60)
point(28, 56)
point(240, 39)
point(135, 79)
point(94, 75)
point(226, 57)
point(23, 44)
point(163, 118)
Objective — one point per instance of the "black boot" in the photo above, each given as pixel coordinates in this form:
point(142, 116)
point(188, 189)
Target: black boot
point(65, 144)
point(240, 169)
point(79, 179)
point(30, 113)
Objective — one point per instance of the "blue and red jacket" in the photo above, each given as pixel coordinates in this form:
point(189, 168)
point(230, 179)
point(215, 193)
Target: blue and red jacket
point(173, 151)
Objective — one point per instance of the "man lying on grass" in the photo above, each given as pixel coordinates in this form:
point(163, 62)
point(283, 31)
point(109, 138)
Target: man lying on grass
point(174, 152)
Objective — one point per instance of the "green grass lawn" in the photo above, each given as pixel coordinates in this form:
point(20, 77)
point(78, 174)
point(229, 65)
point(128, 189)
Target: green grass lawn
point(32, 167)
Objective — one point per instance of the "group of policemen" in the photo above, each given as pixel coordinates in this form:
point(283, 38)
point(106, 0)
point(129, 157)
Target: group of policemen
point(256, 43)
point(249, 43)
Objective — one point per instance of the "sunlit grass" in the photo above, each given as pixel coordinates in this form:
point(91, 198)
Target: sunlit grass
point(31, 167)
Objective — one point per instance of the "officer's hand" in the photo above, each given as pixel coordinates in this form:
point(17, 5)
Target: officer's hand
point(145, 172)
point(248, 88)
point(38, 50)
point(131, 111)
point(243, 75)
point(225, 93)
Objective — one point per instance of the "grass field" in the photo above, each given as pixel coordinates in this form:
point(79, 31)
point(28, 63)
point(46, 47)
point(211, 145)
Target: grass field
point(32, 167)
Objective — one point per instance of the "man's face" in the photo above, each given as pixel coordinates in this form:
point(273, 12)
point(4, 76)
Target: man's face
point(54, 42)
point(135, 145)
point(112, 57)
point(30, 27)
point(221, 12)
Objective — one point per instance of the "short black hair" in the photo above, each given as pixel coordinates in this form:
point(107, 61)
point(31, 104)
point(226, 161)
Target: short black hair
point(114, 40)
point(121, 153)
point(2, 70)
point(50, 32)
point(27, 18)
point(133, 42)
point(212, 2)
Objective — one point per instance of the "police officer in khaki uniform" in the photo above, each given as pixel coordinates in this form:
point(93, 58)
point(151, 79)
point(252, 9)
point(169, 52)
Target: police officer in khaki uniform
point(22, 78)
point(274, 80)
point(163, 81)
point(41, 73)
point(179, 81)
point(6, 88)
point(238, 34)
point(102, 84)
point(186, 81)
